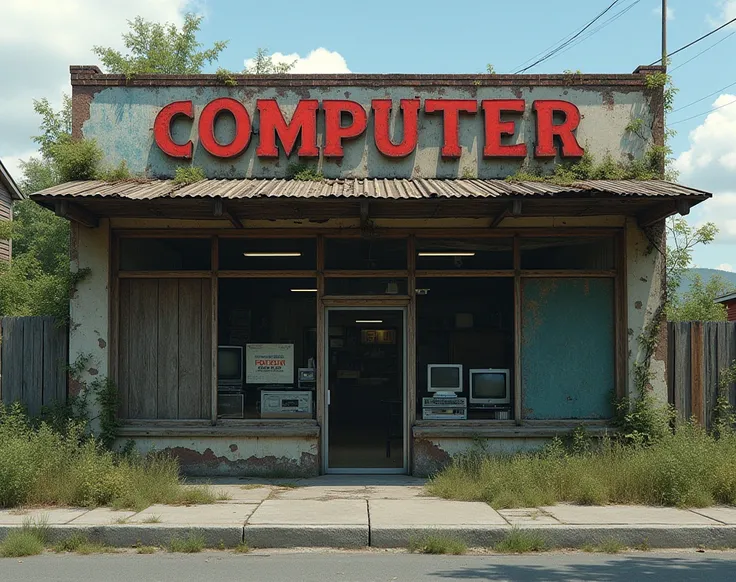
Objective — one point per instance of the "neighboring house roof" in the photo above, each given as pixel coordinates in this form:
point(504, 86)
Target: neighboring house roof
point(385, 188)
point(726, 298)
point(7, 180)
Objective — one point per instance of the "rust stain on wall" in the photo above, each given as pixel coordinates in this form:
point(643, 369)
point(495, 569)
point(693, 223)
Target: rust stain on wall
point(207, 463)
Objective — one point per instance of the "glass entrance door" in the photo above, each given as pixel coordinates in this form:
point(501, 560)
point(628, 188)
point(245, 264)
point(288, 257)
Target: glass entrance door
point(366, 384)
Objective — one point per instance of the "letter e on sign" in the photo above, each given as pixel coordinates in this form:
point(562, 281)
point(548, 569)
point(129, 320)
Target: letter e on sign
point(547, 130)
point(162, 129)
point(207, 127)
point(496, 129)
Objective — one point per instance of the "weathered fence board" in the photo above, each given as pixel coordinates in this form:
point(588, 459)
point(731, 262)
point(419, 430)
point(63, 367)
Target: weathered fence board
point(33, 361)
point(698, 353)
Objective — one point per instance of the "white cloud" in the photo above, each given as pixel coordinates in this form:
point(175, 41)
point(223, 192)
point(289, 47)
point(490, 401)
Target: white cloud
point(726, 11)
point(670, 12)
point(710, 162)
point(39, 39)
point(725, 267)
point(319, 60)
point(12, 163)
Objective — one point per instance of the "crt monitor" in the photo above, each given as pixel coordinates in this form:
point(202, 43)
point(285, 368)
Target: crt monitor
point(489, 386)
point(229, 365)
point(445, 378)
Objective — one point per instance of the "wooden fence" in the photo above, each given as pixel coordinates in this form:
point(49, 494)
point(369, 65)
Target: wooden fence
point(33, 361)
point(697, 354)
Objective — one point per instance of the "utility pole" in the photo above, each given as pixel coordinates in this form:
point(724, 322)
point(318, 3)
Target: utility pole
point(664, 34)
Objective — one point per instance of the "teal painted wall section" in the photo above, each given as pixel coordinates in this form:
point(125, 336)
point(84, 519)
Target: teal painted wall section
point(567, 348)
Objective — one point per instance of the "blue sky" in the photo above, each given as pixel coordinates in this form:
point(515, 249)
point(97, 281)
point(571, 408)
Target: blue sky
point(386, 36)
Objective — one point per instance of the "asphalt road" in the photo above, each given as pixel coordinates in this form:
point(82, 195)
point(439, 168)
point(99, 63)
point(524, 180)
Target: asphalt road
point(372, 566)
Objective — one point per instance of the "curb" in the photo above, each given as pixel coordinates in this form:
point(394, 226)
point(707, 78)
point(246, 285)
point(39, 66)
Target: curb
point(357, 536)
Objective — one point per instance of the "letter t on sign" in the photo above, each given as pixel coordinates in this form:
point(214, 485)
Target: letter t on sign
point(451, 109)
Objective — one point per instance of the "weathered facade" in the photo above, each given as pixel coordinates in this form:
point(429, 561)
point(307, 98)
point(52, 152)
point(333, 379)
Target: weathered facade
point(361, 229)
point(9, 192)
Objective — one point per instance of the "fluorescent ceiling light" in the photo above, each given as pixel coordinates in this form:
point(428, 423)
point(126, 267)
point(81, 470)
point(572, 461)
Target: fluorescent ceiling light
point(303, 290)
point(446, 254)
point(276, 254)
point(368, 321)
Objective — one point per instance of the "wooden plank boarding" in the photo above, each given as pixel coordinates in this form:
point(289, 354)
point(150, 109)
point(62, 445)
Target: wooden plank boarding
point(33, 365)
point(190, 348)
point(697, 372)
point(12, 356)
point(682, 369)
point(123, 347)
point(167, 358)
point(711, 375)
point(143, 344)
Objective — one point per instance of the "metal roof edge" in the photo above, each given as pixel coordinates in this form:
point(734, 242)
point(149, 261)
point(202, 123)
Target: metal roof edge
point(8, 181)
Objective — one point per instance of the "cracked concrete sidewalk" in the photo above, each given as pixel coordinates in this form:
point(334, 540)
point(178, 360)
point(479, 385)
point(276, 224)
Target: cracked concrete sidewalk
point(352, 511)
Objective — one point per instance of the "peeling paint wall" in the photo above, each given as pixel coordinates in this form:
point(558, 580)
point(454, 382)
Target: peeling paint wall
point(121, 119)
point(239, 456)
point(645, 295)
point(432, 454)
point(89, 306)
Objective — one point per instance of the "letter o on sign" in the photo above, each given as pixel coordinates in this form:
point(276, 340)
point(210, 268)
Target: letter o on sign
point(207, 127)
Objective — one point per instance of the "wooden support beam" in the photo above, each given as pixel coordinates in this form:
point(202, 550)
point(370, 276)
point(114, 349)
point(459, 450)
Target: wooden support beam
point(219, 209)
point(499, 217)
point(683, 207)
point(366, 225)
point(656, 213)
point(74, 212)
point(516, 208)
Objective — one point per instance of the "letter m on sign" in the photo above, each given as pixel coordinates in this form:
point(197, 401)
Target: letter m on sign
point(272, 123)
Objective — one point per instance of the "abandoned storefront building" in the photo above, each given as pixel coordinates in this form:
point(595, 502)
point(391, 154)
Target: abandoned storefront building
point(363, 280)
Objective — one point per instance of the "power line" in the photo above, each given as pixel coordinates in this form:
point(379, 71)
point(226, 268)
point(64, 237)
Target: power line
point(599, 28)
point(715, 44)
point(697, 40)
point(704, 98)
point(566, 43)
point(703, 113)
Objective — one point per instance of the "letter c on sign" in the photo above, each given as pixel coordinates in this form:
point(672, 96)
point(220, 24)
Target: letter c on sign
point(162, 129)
point(207, 127)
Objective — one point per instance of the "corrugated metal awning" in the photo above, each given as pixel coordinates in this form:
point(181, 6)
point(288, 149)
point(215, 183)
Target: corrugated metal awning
point(378, 188)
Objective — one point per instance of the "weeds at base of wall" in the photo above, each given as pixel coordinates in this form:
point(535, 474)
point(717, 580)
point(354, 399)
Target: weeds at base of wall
point(519, 541)
point(186, 175)
point(437, 544)
point(192, 543)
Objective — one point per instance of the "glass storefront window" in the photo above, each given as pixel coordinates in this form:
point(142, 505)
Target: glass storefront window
point(366, 286)
point(465, 327)
point(582, 253)
point(465, 253)
point(365, 254)
point(165, 254)
point(267, 344)
point(265, 254)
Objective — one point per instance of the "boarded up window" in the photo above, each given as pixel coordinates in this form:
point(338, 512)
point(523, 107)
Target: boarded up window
point(567, 348)
point(165, 348)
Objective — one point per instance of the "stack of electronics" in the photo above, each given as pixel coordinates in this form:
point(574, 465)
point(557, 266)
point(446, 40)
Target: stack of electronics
point(444, 380)
point(286, 403)
point(230, 395)
point(488, 390)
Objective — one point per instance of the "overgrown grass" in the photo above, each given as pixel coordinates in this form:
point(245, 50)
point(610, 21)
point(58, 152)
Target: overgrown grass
point(686, 469)
point(241, 548)
point(29, 540)
point(606, 546)
point(519, 541)
point(146, 550)
point(81, 544)
point(437, 545)
point(40, 465)
point(192, 543)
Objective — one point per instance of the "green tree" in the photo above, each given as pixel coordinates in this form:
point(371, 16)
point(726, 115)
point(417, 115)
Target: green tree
point(263, 64)
point(698, 302)
point(681, 240)
point(154, 47)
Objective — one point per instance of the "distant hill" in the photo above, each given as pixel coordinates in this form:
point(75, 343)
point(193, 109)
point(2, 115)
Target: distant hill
point(706, 274)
